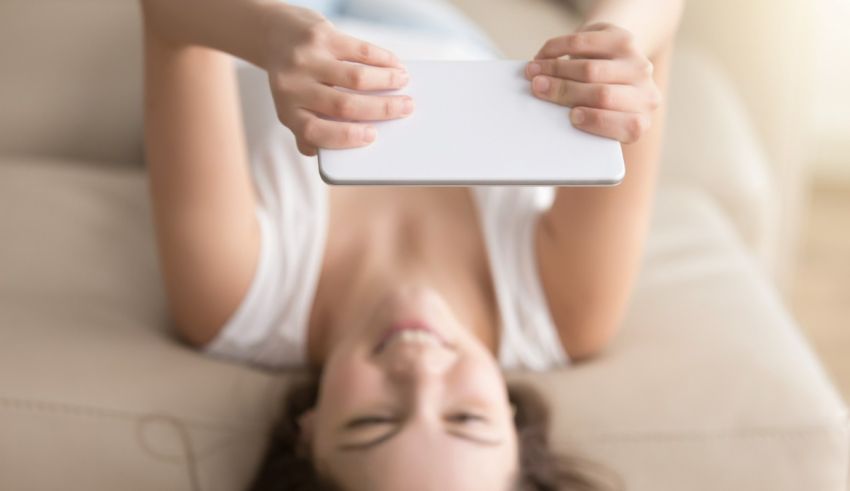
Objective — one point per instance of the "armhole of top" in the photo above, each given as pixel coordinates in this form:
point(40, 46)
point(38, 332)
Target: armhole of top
point(241, 336)
point(528, 337)
point(550, 336)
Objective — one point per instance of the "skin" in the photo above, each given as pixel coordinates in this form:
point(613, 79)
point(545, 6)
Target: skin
point(416, 414)
point(394, 254)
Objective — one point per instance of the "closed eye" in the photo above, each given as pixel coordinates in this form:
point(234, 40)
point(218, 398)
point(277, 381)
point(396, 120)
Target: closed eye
point(394, 426)
point(364, 421)
point(463, 417)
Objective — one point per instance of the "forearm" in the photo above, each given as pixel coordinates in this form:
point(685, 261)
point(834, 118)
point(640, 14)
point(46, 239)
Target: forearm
point(597, 236)
point(652, 22)
point(237, 27)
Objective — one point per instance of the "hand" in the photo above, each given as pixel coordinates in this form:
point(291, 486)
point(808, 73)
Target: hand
point(306, 58)
point(606, 81)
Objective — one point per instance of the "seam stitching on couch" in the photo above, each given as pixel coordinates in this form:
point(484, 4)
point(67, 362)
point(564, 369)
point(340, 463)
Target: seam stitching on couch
point(190, 457)
point(801, 431)
point(99, 412)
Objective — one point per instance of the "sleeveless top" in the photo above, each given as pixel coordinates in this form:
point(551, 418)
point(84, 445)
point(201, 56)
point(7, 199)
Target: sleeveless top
point(269, 327)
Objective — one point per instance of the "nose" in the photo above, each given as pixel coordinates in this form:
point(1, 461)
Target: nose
point(411, 362)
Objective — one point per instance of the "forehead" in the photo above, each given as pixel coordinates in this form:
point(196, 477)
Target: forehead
point(421, 460)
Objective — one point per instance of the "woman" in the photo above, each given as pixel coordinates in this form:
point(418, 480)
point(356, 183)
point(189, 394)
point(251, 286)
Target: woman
point(406, 300)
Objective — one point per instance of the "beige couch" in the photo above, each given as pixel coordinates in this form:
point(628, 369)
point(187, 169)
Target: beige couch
point(709, 387)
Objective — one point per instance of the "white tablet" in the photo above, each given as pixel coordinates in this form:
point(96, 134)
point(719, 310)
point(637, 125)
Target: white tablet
point(476, 122)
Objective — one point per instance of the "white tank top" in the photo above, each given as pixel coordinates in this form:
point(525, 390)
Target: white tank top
point(269, 327)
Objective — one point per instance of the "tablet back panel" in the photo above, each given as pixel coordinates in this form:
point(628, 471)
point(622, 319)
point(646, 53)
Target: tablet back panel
point(476, 122)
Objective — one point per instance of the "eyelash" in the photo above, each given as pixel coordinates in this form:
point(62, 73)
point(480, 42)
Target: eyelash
point(370, 420)
point(464, 418)
point(382, 420)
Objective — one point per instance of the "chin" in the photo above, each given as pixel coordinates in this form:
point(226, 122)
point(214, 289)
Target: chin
point(418, 304)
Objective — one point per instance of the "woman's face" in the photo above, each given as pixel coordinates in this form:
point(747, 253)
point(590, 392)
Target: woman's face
point(412, 400)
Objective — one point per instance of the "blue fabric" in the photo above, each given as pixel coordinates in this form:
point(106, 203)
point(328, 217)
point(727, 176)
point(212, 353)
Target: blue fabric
point(433, 16)
point(328, 8)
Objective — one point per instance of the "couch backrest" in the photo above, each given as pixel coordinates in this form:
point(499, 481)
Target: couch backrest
point(71, 79)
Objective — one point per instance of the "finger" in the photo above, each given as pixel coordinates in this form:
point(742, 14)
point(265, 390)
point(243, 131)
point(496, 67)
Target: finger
point(306, 148)
point(620, 126)
point(355, 107)
point(604, 96)
point(608, 43)
point(357, 76)
point(313, 131)
point(592, 70)
point(349, 48)
point(601, 26)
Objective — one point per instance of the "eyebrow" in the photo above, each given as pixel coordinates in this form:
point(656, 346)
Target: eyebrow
point(487, 442)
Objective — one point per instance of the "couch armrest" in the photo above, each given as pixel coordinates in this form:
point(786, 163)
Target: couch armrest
point(711, 145)
point(766, 48)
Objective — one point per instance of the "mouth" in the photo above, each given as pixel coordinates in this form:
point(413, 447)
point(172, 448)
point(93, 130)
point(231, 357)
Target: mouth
point(411, 330)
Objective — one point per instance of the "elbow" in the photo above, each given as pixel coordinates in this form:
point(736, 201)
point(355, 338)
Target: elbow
point(587, 335)
point(586, 346)
point(198, 331)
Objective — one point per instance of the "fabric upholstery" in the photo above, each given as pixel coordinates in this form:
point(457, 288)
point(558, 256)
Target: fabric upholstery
point(711, 144)
point(708, 387)
point(64, 60)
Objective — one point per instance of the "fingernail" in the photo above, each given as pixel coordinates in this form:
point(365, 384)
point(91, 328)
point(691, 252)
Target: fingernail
point(540, 84)
point(370, 134)
point(408, 106)
point(577, 115)
point(404, 77)
point(534, 69)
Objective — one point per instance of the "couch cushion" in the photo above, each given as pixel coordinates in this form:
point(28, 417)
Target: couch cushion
point(71, 79)
point(709, 386)
point(95, 388)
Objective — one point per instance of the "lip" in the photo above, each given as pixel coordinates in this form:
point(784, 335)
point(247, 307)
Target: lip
point(408, 325)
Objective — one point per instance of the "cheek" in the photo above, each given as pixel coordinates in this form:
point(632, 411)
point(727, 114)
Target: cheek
point(348, 380)
point(482, 380)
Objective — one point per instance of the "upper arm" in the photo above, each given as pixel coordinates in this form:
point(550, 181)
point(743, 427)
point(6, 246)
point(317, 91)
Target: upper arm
point(586, 276)
point(201, 188)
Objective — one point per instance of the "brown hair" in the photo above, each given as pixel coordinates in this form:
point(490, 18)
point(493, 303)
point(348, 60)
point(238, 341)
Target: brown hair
point(287, 467)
